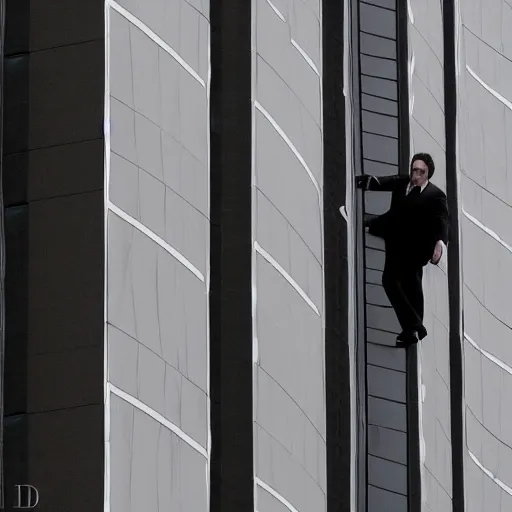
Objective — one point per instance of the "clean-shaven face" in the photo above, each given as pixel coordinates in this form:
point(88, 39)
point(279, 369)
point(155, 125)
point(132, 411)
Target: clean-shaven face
point(419, 173)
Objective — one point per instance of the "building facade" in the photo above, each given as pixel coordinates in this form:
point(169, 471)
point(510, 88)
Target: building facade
point(192, 315)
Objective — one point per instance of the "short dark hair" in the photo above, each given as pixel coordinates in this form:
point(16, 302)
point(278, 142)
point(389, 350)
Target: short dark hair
point(429, 162)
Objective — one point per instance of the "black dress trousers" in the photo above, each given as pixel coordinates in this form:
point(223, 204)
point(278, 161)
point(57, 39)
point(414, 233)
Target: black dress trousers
point(403, 273)
point(402, 283)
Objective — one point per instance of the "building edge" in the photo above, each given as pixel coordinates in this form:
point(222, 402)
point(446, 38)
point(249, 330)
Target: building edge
point(454, 264)
point(232, 469)
point(336, 260)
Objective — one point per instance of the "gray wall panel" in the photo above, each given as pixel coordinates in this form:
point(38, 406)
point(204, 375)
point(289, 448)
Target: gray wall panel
point(285, 421)
point(378, 67)
point(157, 255)
point(427, 130)
point(279, 176)
point(377, 21)
point(269, 503)
point(484, 131)
point(378, 355)
point(286, 325)
point(428, 64)
point(387, 444)
point(386, 474)
point(279, 52)
point(379, 87)
point(387, 339)
point(278, 468)
point(387, 414)
point(277, 236)
point(156, 470)
point(289, 376)
point(386, 501)
point(474, 486)
point(183, 25)
point(303, 130)
point(379, 105)
point(167, 315)
point(377, 46)
point(382, 149)
point(380, 124)
point(386, 383)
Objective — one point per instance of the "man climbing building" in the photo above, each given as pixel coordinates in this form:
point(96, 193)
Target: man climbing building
point(415, 231)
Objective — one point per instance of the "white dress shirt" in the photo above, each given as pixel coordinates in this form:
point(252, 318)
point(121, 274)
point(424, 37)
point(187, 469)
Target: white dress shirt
point(411, 186)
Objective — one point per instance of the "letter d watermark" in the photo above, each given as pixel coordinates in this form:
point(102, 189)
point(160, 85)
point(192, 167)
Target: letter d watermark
point(27, 497)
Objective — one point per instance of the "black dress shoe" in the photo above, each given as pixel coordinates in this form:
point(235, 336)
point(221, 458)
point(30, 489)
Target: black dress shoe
point(404, 339)
point(422, 333)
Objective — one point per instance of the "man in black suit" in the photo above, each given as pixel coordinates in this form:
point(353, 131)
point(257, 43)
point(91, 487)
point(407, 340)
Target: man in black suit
point(415, 231)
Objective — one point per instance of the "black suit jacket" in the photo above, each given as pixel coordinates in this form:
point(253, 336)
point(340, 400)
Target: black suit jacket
point(412, 225)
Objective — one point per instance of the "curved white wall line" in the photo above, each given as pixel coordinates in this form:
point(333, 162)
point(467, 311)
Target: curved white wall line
point(458, 24)
point(344, 213)
point(141, 406)
point(282, 271)
point(277, 11)
point(496, 94)
point(306, 57)
point(412, 67)
point(157, 239)
point(490, 232)
point(289, 143)
point(488, 355)
point(409, 12)
point(275, 494)
point(158, 40)
point(496, 480)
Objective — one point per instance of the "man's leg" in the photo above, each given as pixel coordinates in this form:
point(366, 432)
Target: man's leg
point(397, 279)
point(413, 289)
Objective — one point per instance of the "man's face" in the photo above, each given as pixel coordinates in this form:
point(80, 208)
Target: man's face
point(419, 173)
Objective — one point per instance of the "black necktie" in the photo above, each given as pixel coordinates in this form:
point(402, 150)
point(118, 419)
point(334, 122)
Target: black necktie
point(415, 192)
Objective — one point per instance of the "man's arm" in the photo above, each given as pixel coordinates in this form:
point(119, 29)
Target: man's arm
point(382, 183)
point(440, 218)
point(441, 225)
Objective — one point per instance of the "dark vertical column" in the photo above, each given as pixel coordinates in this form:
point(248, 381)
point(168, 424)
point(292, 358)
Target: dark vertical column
point(2, 259)
point(413, 441)
point(14, 187)
point(335, 263)
point(392, 441)
point(360, 261)
point(381, 117)
point(15, 82)
point(403, 86)
point(454, 271)
point(52, 176)
point(232, 472)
